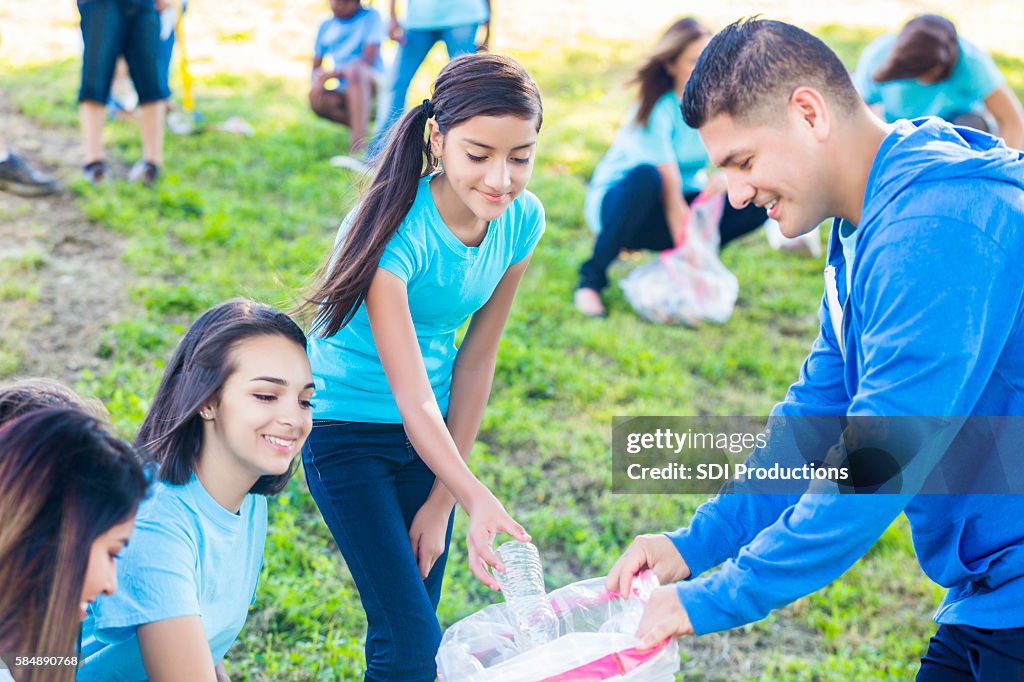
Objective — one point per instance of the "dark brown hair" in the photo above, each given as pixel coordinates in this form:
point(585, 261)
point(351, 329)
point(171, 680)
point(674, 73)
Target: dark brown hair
point(64, 481)
point(27, 395)
point(750, 69)
point(471, 85)
point(653, 76)
point(172, 432)
point(927, 42)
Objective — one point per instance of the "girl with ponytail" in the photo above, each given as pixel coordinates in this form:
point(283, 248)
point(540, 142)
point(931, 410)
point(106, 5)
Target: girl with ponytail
point(443, 234)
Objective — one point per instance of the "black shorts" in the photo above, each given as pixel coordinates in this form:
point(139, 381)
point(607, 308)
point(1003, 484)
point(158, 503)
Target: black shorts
point(111, 28)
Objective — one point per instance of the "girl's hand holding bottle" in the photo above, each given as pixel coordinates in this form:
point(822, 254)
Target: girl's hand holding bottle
point(487, 518)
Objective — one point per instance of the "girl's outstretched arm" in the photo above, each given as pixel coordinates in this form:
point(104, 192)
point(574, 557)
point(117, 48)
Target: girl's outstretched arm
point(471, 387)
point(176, 650)
point(387, 306)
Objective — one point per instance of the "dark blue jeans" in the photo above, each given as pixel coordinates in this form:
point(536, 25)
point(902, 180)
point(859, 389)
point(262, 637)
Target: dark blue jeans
point(633, 217)
point(961, 653)
point(114, 27)
point(368, 483)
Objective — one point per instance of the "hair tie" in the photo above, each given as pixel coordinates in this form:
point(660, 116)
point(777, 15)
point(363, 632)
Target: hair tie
point(428, 108)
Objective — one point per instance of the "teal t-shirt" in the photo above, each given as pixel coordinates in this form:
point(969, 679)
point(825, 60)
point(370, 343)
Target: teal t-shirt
point(665, 138)
point(345, 39)
point(446, 281)
point(432, 14)
point(974, 77)
point(188, 556)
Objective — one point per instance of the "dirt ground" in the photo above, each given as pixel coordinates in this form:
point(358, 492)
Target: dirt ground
point(75, 266)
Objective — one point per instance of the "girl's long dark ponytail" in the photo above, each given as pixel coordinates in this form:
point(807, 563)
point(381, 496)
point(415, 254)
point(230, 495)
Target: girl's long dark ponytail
point(406, 158)
point(471, 85)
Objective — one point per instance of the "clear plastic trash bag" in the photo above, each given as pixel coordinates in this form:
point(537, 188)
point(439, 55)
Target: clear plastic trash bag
point(687, 284)
point(596, 641)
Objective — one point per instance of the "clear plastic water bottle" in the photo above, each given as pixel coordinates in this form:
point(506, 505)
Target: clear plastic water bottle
point(522, 584)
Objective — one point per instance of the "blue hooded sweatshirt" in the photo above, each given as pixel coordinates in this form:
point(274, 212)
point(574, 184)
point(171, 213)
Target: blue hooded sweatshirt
point(933, 326)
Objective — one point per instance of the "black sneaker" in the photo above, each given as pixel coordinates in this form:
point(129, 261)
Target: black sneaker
point(17, 178)
point(145, 172)
point(95, 171)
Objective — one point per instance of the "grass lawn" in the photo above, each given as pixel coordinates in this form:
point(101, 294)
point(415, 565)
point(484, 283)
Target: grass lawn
point(256, 216)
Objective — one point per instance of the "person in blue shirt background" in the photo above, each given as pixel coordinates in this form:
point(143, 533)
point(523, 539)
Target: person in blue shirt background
point(925, 321)
point(640, 191)
point(442, 235)
point(349, 42)
point(231, 412)
point(928, 70)
point(428, 22)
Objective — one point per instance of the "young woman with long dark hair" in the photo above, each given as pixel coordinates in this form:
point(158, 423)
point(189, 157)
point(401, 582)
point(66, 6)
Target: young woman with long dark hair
point(228, 418)
point(443, 234)
point(68, 494)
point(640, 192)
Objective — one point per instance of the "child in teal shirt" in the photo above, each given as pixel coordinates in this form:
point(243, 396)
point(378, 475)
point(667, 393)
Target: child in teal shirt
point(429, 247)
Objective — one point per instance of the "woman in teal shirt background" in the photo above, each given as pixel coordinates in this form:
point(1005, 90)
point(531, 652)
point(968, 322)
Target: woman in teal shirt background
point(928, 70)
point(640, 191)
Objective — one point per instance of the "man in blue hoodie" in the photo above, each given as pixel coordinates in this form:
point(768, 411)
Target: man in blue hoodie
point(922, 318)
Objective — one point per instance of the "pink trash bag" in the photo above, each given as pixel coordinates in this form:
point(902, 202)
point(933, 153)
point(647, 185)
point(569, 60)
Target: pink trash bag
point(687, 284)
point(596, 641)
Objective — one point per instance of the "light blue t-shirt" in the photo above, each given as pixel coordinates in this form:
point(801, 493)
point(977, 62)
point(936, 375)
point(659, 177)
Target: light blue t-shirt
point(446, 281)
point(188, 556)
point(665, 138)
point(432, 14)
point(344, 39)
point(974, 77)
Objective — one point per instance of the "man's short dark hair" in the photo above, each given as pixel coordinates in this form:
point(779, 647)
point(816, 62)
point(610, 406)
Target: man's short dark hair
point(751, 68)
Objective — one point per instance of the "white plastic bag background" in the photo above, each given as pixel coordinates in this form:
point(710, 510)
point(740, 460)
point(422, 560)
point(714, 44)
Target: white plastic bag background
point(592, 626)
point(688, 284)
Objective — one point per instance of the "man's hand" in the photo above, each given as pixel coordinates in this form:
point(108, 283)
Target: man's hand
point(664, 616)
point(655, 552)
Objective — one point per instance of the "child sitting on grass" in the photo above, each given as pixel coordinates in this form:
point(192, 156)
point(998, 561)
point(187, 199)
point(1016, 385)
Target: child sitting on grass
point(346, 59)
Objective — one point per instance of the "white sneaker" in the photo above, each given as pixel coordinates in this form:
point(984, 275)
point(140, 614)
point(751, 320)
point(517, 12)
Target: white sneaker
point(349, 162)
point(808, 243)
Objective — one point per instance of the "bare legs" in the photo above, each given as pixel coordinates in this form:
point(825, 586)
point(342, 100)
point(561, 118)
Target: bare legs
point(151, 120)
point(349, 107)
point(92, 116)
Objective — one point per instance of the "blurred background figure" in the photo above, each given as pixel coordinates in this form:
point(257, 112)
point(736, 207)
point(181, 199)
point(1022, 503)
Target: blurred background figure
point(18, 178)
point(111, 28)
point(123, 98)
point(640, 192)
point(346, 64)
point(929, 70)
point(428, 22)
